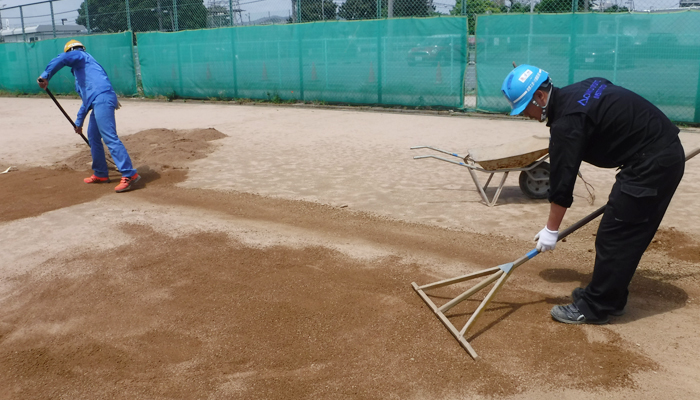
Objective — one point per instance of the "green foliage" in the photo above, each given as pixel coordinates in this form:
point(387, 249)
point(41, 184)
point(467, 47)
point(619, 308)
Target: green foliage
point(359, 9)
point(473, 8)
point(146, 15)
point(412, 8)
point(616, 8)
point(274, 98)
point(563, 6)
point(516, 7)
point(367, 9)
point(318, 10)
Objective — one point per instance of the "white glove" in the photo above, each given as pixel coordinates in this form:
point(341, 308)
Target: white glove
point(546, 240)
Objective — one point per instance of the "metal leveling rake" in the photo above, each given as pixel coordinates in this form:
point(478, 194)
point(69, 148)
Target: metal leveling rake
point(497, 274)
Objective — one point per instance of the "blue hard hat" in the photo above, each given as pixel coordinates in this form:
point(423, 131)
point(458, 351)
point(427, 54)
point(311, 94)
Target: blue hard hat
point(520, 85)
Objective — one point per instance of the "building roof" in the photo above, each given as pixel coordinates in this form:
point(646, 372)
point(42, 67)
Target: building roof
point(43, 29)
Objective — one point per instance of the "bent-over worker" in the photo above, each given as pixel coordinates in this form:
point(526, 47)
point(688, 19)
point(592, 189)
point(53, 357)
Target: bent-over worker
point(610, 127)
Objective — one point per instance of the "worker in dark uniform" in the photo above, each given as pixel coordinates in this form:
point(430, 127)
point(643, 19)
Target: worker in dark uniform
point(610, 127)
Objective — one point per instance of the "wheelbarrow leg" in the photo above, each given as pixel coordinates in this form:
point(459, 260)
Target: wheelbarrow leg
point(481, 190)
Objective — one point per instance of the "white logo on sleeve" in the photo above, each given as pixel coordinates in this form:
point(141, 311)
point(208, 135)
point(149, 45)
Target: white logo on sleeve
point(525, 75)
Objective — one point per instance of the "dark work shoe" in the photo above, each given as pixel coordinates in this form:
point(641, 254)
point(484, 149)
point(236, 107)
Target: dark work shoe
point(570, 314)
point(578, 293)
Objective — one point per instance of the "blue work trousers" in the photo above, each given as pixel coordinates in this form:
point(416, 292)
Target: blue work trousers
point(103, 127)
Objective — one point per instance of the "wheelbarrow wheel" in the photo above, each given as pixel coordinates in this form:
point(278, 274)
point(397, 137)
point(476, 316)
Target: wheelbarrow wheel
point(535, 182)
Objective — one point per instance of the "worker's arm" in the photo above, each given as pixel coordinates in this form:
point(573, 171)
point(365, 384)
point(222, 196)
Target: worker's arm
point(556, 215)
point(70, 59)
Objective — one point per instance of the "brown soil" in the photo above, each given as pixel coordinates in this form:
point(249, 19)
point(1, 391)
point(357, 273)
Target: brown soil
point(205, 314)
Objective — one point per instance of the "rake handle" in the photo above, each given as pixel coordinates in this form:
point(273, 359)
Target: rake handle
point(571, 229)
point(72, 123)
point(66, 115)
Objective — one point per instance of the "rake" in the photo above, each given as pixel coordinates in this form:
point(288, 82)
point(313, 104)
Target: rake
point(497, 274)
point(73, 123)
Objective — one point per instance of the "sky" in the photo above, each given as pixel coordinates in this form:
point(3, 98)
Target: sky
point(253, 9)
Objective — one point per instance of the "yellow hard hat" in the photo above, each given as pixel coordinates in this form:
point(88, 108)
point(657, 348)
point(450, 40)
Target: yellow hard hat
point(72, 45)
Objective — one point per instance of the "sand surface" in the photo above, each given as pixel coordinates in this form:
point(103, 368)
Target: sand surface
point(268, 253)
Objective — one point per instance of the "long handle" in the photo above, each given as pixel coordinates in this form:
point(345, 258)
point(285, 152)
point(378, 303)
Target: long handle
point(569, 230)
point(66, 115)
point(71, 121)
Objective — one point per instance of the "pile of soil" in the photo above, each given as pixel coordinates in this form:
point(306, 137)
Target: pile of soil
point(161, 157)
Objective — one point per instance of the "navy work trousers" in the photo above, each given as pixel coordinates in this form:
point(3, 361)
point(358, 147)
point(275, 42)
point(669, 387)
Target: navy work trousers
point(638, 201)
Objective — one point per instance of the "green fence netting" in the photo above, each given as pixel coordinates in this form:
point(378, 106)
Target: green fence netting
point(413, 62)
point(22, 63)
point(655, 55)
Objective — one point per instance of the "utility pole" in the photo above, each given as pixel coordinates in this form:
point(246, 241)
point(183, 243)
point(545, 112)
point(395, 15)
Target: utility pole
point(1, 7)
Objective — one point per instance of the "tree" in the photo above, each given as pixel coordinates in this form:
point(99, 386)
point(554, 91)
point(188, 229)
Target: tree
point(615, 8)
point(412, 8)
point(146, 15)
point(318, 10)
point(563, 6)
point(367, 9)
point(516, 7)
point(474, 8)
point(359, 9)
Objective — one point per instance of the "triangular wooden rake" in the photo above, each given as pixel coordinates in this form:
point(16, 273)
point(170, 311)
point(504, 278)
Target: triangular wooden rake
point(497, 274)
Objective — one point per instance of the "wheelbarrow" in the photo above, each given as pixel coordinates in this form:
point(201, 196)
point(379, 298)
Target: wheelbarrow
point(527, 156)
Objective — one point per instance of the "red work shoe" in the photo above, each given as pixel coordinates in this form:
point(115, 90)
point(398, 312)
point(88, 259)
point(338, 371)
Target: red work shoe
point(126, 183)
point(96, 179)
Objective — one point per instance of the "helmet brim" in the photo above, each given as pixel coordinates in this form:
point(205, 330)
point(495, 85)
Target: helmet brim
point(518, 110)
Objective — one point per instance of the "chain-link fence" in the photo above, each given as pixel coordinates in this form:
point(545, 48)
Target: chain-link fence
point(62, 18)
point(657, 55)
point(568, 45)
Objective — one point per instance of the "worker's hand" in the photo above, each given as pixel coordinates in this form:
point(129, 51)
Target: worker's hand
point(43, 83)
point(546, 240)
point(79, 130)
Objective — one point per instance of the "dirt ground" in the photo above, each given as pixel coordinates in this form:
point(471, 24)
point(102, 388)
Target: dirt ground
point(268, 253)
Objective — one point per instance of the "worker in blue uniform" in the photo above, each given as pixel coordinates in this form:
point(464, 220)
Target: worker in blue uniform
point(95, 89)
point(610, 127)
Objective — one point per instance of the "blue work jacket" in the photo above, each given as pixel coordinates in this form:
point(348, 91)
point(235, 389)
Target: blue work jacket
point(90, 78)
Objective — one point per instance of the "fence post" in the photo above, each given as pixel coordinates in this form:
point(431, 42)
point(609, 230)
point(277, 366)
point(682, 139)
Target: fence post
point(697, 101)
point(301, 62)
point(128, 16)
point(87, 17)
point(234, 49)
point(230, 12)
point(573, 6)
point(379, 9)
point(379, 61)
point(298, 10)
point(176, 25)
point(21, 17)
point(572, 50)
point(53, 21)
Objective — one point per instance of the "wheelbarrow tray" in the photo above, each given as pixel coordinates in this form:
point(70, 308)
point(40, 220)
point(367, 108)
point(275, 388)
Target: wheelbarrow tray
point(515, 154)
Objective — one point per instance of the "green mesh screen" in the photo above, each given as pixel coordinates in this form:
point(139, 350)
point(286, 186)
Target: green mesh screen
point(655, 55)
point(414, 62)
point(22, 63)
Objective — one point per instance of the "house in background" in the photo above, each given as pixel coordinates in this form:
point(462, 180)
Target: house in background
point(40, 32)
